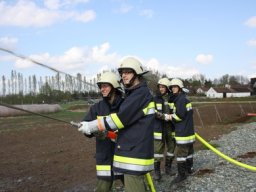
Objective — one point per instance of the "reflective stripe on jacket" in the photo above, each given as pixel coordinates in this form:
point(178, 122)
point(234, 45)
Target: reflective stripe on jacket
point(162, 106)
point(183, 120)
point(134, 152)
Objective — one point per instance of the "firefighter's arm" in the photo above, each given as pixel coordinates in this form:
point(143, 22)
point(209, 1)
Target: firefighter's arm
point(90, 127)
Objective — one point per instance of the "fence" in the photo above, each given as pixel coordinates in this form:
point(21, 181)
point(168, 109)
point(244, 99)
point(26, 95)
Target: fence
point(209, 113)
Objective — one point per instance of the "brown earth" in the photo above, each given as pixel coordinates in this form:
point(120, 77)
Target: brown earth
point(39, 154)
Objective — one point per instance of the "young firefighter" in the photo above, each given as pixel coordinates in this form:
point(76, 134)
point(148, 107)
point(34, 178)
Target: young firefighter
point(134, 152)
point(109, 86)
point(164, 129)
point(182, 118)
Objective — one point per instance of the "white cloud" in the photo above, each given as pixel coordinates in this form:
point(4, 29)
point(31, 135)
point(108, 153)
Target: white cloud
point(23, 64)
point(147, 13)
point(204, 59)
point(74, 2)
point(182, 71)
point(253, 75)
point(52, 4)
point(253, 65)
point(8, 42)
point(27, 13)
point(153, 64)
point(56, 4)
point(124, 8)
point(251, 22)
point(252, 42)
point(86, 16)
point(82, 60)
point(92, 60)
point(99, 54)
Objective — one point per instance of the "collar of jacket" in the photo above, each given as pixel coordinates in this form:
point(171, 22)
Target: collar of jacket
point(143, 83)
point(116, 103)
point(179, 95)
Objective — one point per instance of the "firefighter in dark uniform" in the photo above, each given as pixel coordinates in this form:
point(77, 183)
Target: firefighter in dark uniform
point(163, 130)
point(109, 86)
point(134, 152)
point(182, 118)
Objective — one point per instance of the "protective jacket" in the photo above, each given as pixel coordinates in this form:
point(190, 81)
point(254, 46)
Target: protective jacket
point(163, 106)
point(134, 153)
point(183, 119)
point(104, 146)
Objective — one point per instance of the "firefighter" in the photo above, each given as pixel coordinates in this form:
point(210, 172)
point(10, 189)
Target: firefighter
point(182, 118)
point(134, 152)
point(164, 129)
point(109, 86)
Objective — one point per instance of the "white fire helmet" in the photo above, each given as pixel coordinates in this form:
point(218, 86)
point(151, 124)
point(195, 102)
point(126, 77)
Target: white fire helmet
point(164, 81)
point(132, 63)
point(177, 82)
point(109, 77)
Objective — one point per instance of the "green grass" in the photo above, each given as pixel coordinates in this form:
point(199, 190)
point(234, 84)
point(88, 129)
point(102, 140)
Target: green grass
point(72, 103)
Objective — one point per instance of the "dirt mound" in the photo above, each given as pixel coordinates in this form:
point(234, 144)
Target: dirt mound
point(37, 108)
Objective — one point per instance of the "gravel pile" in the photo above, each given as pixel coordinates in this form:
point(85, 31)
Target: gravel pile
point(215, 174)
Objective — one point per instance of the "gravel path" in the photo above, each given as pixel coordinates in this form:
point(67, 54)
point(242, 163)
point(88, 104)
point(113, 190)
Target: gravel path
point(213, 173)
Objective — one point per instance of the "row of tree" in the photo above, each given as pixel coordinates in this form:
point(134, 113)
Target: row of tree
point(19, 85)
point(31, 89)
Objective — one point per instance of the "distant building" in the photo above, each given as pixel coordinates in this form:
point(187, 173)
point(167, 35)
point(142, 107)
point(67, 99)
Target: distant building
point(202, 90)
point(253, 85)
point(229, 91)
point(216, 92)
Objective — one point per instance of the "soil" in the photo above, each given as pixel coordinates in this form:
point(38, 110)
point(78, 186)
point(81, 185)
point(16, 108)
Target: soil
point(52, 156)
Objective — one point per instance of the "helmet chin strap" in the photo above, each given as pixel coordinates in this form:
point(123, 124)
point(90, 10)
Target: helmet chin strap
point(109, 96)
point(128, 85)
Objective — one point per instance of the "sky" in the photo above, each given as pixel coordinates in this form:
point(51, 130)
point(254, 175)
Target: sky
point(179, 38)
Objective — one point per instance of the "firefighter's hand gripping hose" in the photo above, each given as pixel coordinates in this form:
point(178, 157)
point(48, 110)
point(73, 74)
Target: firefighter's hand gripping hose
point(252, 168)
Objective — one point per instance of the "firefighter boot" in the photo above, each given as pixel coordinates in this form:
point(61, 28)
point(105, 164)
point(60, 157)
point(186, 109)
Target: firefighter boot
point(189, 166)
point(181, 173)
point(168, 167)
point(157, 175)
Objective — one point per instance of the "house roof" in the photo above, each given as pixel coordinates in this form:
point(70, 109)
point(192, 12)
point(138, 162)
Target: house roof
point(222, 90)
point(240, 89)
point(204, 88)
point(233, 89)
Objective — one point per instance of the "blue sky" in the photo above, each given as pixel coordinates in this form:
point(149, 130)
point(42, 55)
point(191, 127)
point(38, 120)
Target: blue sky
point(176, 37)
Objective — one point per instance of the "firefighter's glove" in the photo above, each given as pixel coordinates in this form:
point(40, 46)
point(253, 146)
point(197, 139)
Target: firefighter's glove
point(89, 127)
point(159, 115)
point(167, 117)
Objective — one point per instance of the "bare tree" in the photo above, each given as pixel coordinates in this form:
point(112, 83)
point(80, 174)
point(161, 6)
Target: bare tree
point(4, 85)
point(34, 83)
point(20, 83)
point(79, 82)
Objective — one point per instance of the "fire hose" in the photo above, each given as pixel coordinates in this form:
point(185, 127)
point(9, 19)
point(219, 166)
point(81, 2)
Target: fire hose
point(229, 159)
